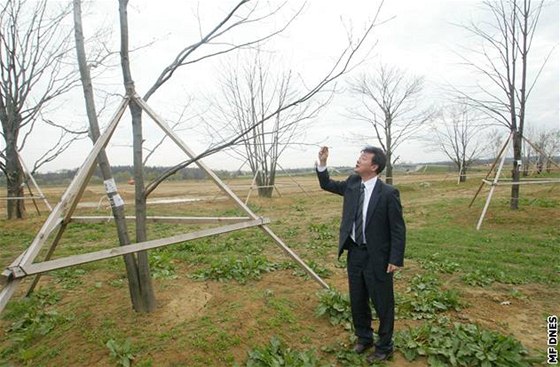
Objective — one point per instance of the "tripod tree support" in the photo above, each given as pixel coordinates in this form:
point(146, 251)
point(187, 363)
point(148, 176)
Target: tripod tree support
point(61, 216)
point(496, 180)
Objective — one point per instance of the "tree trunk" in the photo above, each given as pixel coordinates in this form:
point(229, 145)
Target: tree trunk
point(146, 289)
point(103, 161)
point(389, 145)
point(265, 184)
point(14, 182)
point(463, 173)
point(389, 167)
point(515, 173)
point(389, 172)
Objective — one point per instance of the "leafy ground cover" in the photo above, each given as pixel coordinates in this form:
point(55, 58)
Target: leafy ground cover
point(464, 298)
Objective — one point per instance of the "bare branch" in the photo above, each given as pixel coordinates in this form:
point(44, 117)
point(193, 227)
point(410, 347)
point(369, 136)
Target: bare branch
point(222, 28)
point(339, 68)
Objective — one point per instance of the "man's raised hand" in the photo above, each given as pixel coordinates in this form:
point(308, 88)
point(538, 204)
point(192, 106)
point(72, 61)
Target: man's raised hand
point(323, 155)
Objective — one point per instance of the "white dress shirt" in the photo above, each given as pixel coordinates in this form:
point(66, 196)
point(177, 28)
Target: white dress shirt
point(368, 190)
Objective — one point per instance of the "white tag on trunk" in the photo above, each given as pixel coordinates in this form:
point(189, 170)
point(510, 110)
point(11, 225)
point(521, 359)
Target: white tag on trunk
point(117, 201)
point(110, 186)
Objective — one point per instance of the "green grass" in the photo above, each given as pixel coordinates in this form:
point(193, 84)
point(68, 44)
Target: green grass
point(514, 254)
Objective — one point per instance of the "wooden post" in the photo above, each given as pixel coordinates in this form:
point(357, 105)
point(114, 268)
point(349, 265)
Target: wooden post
point(28, 173)
point(494, 184)
point(290, 176)
point(48, 256)
point(62, 212)
point(72, 195)
point(251, 187)
point(492, 168)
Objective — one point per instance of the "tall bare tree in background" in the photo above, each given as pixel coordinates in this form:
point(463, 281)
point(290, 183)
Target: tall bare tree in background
point(389, 100)
point(34, 47)
point(251, 92)
point(456, 132)
point(504, 63)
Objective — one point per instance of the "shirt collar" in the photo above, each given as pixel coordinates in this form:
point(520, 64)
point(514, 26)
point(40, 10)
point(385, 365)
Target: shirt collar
point(370, 184)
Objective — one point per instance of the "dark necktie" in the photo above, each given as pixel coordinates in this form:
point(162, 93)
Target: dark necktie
point(359, 221)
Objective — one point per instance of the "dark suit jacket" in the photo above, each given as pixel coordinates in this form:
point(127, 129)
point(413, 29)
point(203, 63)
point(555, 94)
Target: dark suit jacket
point(384, 227)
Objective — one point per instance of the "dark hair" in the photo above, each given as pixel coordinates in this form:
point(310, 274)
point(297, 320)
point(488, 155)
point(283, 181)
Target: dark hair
point(378, 158)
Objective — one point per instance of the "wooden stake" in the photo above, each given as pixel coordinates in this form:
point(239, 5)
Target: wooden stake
point(498, 172)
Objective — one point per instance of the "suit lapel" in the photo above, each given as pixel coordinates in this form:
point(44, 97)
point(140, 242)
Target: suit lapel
point(373, 200)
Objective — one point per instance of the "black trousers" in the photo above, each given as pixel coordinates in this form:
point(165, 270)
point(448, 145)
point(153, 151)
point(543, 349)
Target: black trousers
point(363, 286)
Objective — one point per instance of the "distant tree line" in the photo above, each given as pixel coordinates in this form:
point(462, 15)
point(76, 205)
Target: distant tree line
point(123, 174)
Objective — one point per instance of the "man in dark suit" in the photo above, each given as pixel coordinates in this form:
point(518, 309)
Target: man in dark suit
point(373, 232)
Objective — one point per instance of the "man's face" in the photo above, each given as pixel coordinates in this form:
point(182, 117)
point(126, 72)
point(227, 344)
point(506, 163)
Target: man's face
point(364, 166)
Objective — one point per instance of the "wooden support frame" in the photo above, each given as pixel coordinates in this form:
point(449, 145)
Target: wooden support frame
point(496, 180)
point(254, 186)
point(61, 216)
point(32, 269)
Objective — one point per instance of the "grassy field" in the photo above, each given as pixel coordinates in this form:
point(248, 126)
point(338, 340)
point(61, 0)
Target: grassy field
point(468, 296)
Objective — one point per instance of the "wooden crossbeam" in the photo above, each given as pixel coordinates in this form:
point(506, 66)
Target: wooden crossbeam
point(508, 183)
point(159, 219)
point(45, 266)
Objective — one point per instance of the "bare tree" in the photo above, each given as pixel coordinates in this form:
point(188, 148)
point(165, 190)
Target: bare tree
point(230, 22)
point(539, 148)
point(504, 64)
point(252, 91)
point(34, 46)
point(457, 133)
point(148, 303)
point(142, 298)
point(389, 101)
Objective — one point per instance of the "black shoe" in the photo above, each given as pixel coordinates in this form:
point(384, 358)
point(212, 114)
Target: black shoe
point(380, 355)
point(360, 348)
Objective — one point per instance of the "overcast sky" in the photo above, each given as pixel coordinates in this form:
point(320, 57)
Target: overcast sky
point(420, 38)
